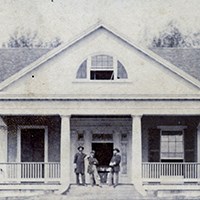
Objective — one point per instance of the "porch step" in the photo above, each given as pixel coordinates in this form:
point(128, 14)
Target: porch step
point(27, 189)
point(126, 192)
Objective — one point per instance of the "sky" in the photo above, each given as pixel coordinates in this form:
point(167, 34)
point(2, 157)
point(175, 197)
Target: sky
point(140, 20)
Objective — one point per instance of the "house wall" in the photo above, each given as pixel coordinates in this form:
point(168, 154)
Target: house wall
point(53, 124)
point(191, 122)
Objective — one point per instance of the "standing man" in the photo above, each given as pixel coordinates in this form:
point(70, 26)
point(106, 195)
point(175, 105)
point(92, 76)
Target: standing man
point(92, 170)
point(79, 165)
point(115, 167)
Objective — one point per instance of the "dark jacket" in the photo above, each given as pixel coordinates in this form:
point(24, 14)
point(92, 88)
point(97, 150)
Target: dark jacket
point(115, 163)
point(79, 161)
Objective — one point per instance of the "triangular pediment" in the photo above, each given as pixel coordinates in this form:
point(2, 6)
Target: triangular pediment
point(54, 74)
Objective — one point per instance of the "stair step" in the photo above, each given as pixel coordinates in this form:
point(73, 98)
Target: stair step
point(127, 192)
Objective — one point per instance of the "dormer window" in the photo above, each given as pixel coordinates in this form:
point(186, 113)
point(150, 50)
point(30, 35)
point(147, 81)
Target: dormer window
point(101, 67)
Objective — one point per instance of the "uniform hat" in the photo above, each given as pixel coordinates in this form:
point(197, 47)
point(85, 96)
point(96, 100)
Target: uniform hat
point(116, 149)
point(80, 147)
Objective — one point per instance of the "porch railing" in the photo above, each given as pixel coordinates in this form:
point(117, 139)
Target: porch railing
point(29, 171)
point(157, 171)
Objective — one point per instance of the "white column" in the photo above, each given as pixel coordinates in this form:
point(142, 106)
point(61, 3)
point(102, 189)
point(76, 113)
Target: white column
point(198, 150)
point(65, 152)
point(87, 150)
point(198, 144)
point(3, 139)
point(136, 151)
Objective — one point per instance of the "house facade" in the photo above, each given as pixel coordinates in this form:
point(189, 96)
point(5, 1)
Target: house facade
point(100, 91)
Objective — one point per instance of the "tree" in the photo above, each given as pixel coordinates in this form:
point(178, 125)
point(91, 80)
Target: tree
point(170, 37)
point(28, 39)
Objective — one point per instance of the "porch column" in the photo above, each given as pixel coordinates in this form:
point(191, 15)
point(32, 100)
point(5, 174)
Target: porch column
point(198, 151)
point(3, 139)
point(198, 143)
point(136, 151)
point(65, 152)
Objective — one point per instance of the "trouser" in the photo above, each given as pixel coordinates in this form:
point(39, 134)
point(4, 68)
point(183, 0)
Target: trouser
point(113, 178)
point(82, 178)
point(94, 179)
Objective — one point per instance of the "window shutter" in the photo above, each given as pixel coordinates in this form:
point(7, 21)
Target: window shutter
point(154, 145)
point(189, 144)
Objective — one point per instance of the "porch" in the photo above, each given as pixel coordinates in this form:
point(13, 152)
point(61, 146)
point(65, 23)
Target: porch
point(140, 139)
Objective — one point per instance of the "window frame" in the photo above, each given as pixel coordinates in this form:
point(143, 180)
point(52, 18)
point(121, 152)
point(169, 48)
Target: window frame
point(20, 127)
point(90, 68)
point(172, 129)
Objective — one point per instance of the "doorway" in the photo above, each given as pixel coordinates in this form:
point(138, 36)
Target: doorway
point(32, 152)
point(32, 145)
point(103, 153)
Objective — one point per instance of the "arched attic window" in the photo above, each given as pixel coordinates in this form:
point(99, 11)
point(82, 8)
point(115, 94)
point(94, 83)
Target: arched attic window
point(101, 67)
point(82, 70)
point(121, 71)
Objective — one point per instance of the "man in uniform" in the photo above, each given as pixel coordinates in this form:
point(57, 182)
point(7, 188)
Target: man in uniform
point(115, 167)
point(79, 165)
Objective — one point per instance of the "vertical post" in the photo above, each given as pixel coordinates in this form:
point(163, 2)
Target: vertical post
point(3, 139)
point(198, 143)
point(198, 151)
point(3, 147)
point(65, 152)
point(136, 150)
point(137, 153)
point(87, 150)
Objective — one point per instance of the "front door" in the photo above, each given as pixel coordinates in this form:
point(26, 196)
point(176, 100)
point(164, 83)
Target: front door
point(103, 153)
point(32, 145)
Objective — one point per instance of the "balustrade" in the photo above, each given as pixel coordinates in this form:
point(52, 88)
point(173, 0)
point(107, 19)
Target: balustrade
point(30, 171)
point(153, 171)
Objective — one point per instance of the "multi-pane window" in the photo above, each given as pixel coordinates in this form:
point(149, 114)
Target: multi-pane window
point(172, 145)
point(101, 67)
point(102, 61)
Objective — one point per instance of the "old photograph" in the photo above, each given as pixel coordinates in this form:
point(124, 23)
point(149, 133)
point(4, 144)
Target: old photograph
point(99, 99)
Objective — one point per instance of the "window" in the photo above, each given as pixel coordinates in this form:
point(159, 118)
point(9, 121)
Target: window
point(172, 145)
point(102, 61)
point(101, 75)
point(102, 137)
point(101, 67)
point(121, 72)
point(82, 71)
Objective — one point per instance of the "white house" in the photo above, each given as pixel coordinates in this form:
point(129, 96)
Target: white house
point(100, 91)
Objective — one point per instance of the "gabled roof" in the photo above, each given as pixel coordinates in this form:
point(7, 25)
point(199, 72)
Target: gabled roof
point(49, 55)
